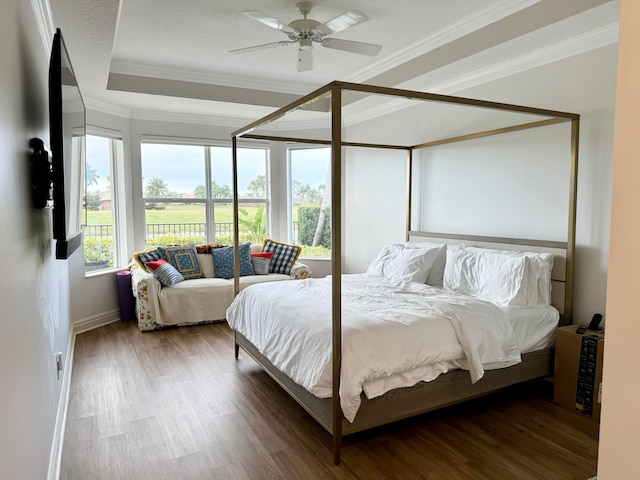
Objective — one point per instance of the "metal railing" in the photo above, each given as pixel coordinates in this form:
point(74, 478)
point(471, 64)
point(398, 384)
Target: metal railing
point(159, 229)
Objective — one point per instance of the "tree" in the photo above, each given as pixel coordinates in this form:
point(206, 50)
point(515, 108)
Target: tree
point(316, 195)
point(220, 191)
point(257, 187)
point(91, 175)
point(92, 202)
point(157, 188)
point(303, 193)
point(199, 191)
point(324, 203)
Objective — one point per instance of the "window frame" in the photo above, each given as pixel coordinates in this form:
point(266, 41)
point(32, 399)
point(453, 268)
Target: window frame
point(289, 147)
point(116, 160)
point(209, 201)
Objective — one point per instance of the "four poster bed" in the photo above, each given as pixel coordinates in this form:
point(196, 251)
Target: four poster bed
point(352, 393)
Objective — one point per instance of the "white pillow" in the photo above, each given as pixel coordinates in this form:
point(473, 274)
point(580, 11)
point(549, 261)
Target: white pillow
point(489, 274)
point(436, 273)
point(538, 281)
point(396, 262)
point(206, 262)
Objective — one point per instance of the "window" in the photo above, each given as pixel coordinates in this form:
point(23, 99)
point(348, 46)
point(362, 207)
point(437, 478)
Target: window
point(100, 205)
point(310, 200)
point(188, 193)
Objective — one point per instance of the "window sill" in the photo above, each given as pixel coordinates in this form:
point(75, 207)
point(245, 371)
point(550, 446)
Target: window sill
point(105, 271)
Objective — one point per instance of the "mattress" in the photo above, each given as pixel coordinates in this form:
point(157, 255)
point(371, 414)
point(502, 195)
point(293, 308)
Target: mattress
point(534, 327)
point(395, 334)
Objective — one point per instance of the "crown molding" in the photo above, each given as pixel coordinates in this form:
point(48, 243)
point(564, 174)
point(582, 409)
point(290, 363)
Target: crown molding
point(441, 37)
point(44, 21)
point(196, 119)
point(126, 68)
point(105, 107)
point(576, 45)
point(591, 40)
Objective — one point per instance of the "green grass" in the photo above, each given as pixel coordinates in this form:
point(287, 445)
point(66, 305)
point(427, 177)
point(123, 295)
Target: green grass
point(178, 214)
point(175, 214)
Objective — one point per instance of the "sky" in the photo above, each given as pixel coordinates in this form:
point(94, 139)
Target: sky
point(182, 166)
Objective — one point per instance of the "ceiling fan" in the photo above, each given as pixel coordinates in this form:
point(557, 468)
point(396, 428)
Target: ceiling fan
point(305, 31)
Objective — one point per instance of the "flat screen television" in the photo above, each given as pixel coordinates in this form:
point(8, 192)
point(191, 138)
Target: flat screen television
point(67, 139)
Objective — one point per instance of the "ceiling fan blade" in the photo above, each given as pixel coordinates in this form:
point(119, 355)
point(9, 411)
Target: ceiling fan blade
point(269, 21)
point(305, 60)
point(351, 46)
point(344, 21)
point(283, 43)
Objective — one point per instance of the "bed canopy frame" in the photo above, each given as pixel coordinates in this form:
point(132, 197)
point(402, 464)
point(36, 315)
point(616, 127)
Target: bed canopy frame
point(451, 387)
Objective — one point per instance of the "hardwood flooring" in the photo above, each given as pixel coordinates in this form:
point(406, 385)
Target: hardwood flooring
point(175, 404)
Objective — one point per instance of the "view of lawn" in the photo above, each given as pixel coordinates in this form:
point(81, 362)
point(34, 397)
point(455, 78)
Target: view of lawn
point(180, 213)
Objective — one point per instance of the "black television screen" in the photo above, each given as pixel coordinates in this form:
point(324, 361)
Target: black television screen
point(67, 138)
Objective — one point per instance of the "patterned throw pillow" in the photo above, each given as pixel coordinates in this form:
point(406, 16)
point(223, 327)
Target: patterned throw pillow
point(165, 273)
point(223, 261)
point(284, 255)
point(146, 256)
point(184, 259)
point(261, 262)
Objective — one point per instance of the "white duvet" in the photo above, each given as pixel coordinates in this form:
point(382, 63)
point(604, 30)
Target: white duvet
point(394, 334)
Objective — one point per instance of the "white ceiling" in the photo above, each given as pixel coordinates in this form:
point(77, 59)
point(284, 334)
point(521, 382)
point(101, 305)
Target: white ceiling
point(168, 59)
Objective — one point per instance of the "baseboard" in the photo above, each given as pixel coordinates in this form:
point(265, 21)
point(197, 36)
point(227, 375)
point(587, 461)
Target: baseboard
point(83, 325)
point(96, 321)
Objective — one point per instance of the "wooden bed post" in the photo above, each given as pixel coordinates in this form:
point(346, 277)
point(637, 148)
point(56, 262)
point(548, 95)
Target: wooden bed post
point(571, 232)
point(409, 191)
point(236, 228)
point(336, 264)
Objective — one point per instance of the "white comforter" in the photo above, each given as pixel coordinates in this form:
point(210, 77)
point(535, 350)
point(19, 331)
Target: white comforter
point(394, 334)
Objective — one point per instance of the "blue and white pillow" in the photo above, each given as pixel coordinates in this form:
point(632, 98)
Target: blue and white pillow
point(164, 272)
point(184, 259)
point(148, 256)
point(223, 261)
point(284, 255)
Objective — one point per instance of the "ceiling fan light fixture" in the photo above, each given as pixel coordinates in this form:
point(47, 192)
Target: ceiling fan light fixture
point(306, 44)
point(305, 31)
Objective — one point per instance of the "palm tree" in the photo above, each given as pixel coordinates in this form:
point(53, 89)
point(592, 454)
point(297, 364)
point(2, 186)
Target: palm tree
point(257, 187)
point(199, 191)
point(220, 191)
point(303, 192)
point(91, 174)
point(325, 202)
point(157, 188)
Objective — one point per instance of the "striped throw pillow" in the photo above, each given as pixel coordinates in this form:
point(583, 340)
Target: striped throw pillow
point(261, 262)
point(165, 273)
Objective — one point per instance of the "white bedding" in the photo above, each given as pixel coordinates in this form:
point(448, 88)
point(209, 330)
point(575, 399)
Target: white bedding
point(394, 334)
point(535, 327)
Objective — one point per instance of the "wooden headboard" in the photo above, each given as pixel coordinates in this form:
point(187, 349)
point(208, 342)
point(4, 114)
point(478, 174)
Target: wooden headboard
point(560, 298)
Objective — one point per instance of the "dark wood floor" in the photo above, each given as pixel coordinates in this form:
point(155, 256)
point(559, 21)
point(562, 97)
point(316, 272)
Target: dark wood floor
point(175, 404)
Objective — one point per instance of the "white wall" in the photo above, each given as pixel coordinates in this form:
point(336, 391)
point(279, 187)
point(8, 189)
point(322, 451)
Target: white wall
point(34, 287)
point(375, 204)
point(509, 185)
point(620, 420)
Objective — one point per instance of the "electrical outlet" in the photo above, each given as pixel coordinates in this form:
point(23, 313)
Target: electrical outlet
point(59, 363)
